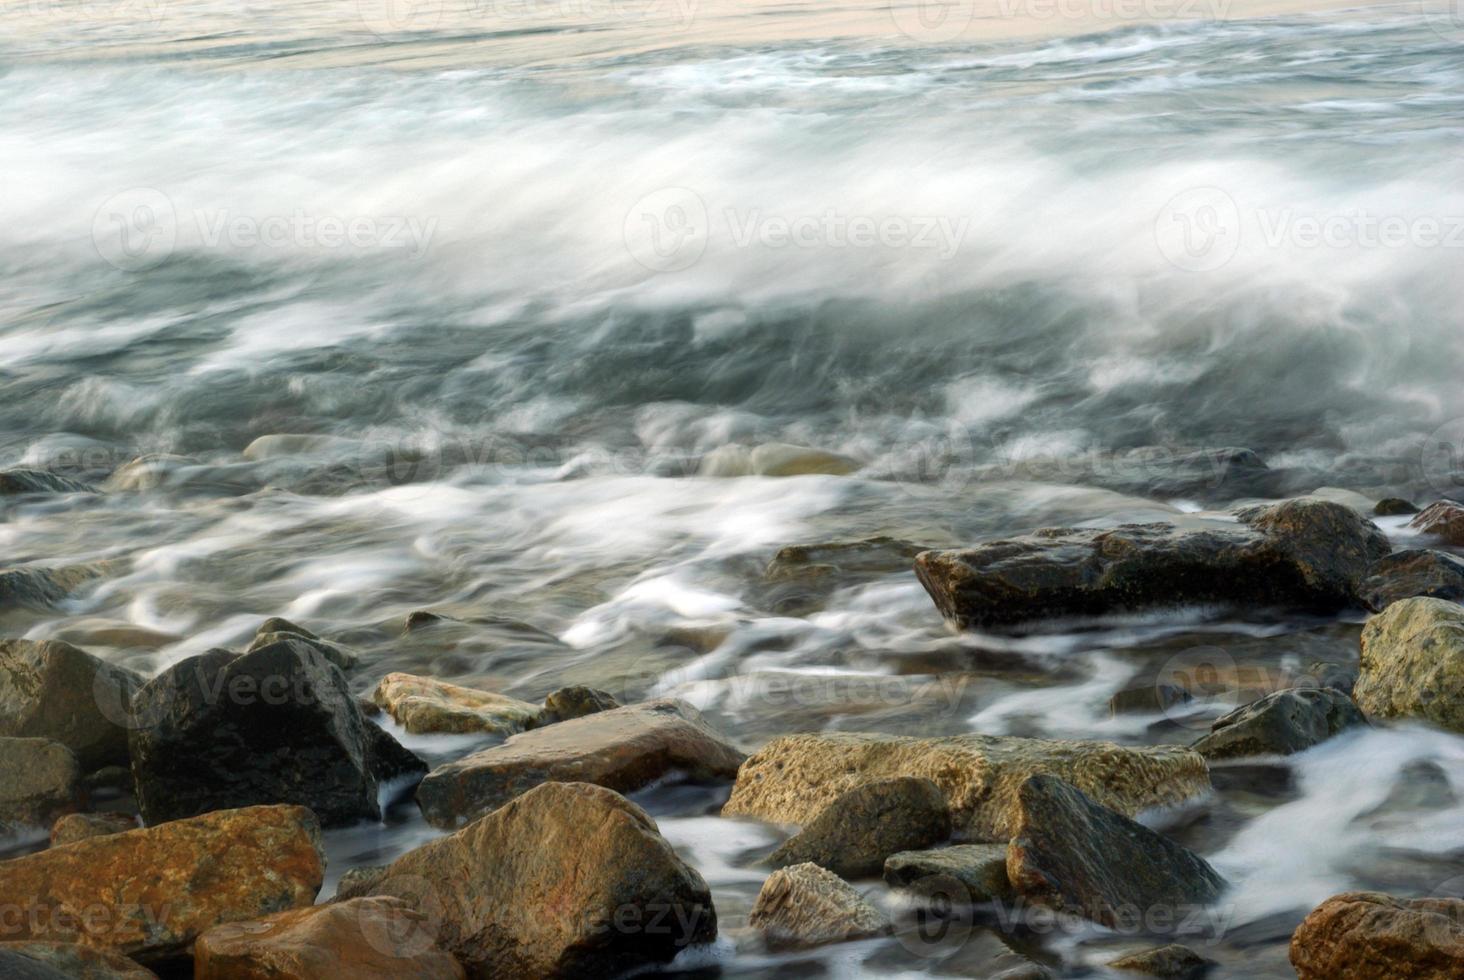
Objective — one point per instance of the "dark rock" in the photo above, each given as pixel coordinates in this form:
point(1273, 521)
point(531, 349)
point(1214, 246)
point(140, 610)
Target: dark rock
point(576, 702)
point(1416, 572)
point(14, 966)
point(421, 619)
point(1173, 962)
point(1338, 677)
point(50, 689)
point(1394, 507)
point(800, 577)
point(1444, 519)
point(1219, 474)
point(1372, 936)
point(278, 624)
point(39, 780)
point(41, 587)
point(278, 725)
point(1308, 554)
point(1280, 724)
point(14, 482)
point(1075, 856)
point(806, 905)
point(980, 870)
point(84, 826)
point(75, 961)
point(854, 834)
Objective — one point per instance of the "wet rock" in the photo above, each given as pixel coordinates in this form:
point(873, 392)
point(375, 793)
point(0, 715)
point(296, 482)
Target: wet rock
point(800, 577)
point(342, 657)
point(421, 619)
point(795, 777)
point(98, 632)
point(381, 938)
point(77, 962)
point(1150, 698)
point(1309, 554)
point(1422, 785)
point(854, 834)
point(775, 459)
point(424, 705)
point(1372, 936)
point(806, 905)
point(83, 826)
point(149, 893)
point(278, 725)
point(278, 624)
point(18, 481)
point(1173, 962)
point(576, 702)
point(54, 690)
point(43, 586)
point(359, 881)
point(567, 880)
point(13, 966)
point(623, 749)
point(1280, 724)
point(1417, 572)
point(39, 779)
point(1444, 519)
point(1072, 854)
point(1394, 507)
point(980, 870)
point(1413, 663)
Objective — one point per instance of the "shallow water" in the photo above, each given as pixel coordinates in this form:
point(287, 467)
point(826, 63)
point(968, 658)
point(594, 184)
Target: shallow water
point(525, 266)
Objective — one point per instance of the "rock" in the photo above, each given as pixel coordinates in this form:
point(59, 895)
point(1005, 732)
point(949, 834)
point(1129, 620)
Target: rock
point(43, 586)
point(1372, 936)
point(280, 444)
point(806, 905)
point(623, 749)
point(1420, 786)
point(147, 472)
point(83, 826)
point(576, 702)
point(1071, 854)
point(1280, 724)
point(794, 777)
point(980, 869)
point(421, 619)
point(800, 577)
point(1413, 663)
point(382, 938)
point(1394, 507)
point(13, 966)
point(1173, 962)
point(39, 780)
point(50, 689)
point(775, 459)
point(1444, 519)
point(423, 705)
point(1308, 554)
point(278, 725)
point(359, 881)
point(566, 880)
point(18, 481)
point(342, 657)
point(77, 962)
point(149, 893)
point(92, 632)
point(1155, 472)
point(1417, 572)
point(854, 834)
point(278, 624)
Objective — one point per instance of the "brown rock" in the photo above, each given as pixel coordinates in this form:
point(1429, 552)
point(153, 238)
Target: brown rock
point(1416, 572)
point(50, 689)
point(576, 702)
point(964, 873)
point(854, 834)
point(79, 962)
point(1444, 519)
point(39, 780)
point(84, 826)
point(1173, 962)
point(1372, 936)
point(1281, 723)
point(424, 705)
point(806, 905)
point(1394, 507)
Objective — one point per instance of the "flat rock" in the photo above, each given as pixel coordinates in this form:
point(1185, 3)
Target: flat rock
point(1309, 554)
point(1071, 854)
point(424, 705)
point(50, 689)
point(623, 749)
point(19, 480)
point(576, 702)
point(1412, 663)
point(1173, 962)
point(806, 905)
point(1280, 724)
point(78, 962)
point(381, 938)
point(793, 778)
point(1373, 936)
point(854, 834)
point(149, 893)
point(567, 880)
point(1444, 519)
point(1416, 572)
point(979, 869)
point(39, 780)
point(83, 826)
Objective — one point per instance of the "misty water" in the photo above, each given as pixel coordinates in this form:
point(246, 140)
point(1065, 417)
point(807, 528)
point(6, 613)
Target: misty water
point(518, 281)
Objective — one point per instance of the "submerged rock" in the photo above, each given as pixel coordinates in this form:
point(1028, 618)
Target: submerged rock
point(567, 880)
point(1417, 572)
point(53, 690)
point(20, 480)
point(1372, 936)
point(84, 826)
point(806, 905)
point(39, 780)
point(793, 778)
point(76, 961)
point(1280, 724)
point(576, 702)
point(1072, 854)
point(775, 459)
point(1413, 663)
point(424, 705)
point(623, 749)
point(854, 834)
point(1445, 519)
point(1394, 507)
point(979, 869)
point(149, 893)
point(43, 586)
point(1172, 962)
point(1309, 554)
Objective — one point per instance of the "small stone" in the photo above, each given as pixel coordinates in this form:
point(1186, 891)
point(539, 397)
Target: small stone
point(39, 780)
point(1172, 962)
point(1373, 936)
point(421, 619)
point(855, 833)
point(424, 705)
point(53, 690)
point(576, 702)
point(76, 961)
point(980, 870)
point(1280, 724)
point(83, 826)
point(806, 905)
point(1444, 519)
point(1394, 507)
point(1412, 663)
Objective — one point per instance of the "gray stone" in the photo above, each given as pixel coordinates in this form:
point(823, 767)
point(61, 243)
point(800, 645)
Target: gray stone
point(1281, 724)
point(979, 869)
point(54, 690)
point(1416, 572)
point(854, 834)
point(39, 780)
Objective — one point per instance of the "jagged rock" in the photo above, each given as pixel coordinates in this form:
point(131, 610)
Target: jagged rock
point(567, 880)
point(1394, 507)
point(1417, 572)
point(576, 702)
point(278, 725)
point(1444, 519)
point(623, 749)
point(979, 870)
point(1309, 554)
point(424, 705)
point(17, 481)
point(1173, 962)
point(854, 834)
point(806, 905)
point(158, 888)
point(1413, 663)
point(1372, 936)
point(1072, 854)
point(53, 690)
point(39, 780)
point(83, 826)
point(794, 777)
point(1280, 724)
point(76, 961)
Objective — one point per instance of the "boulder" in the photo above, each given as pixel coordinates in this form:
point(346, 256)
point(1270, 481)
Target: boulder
point(806, 905)
point(566, 880)
point(19, 480)
point(83, 826)
point(1372, 936)
point(1308, 554)
point(423, 705)
point(149, 893)
point(623, 749)
point(1280, 724)
point(78, 962)
point(576, 702)
point(1172, 962)
point(979, 869)
point(854, 834)
point(1073, 855)
point(53, 690)
point(1444, 519)
point(793, 778)
point(1416, 572)
point(14, 966)
point(342, 657)
point(278, 725)
point(39, 780)
point(1394, 507)
point(381, 938)
point(1412, 663)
